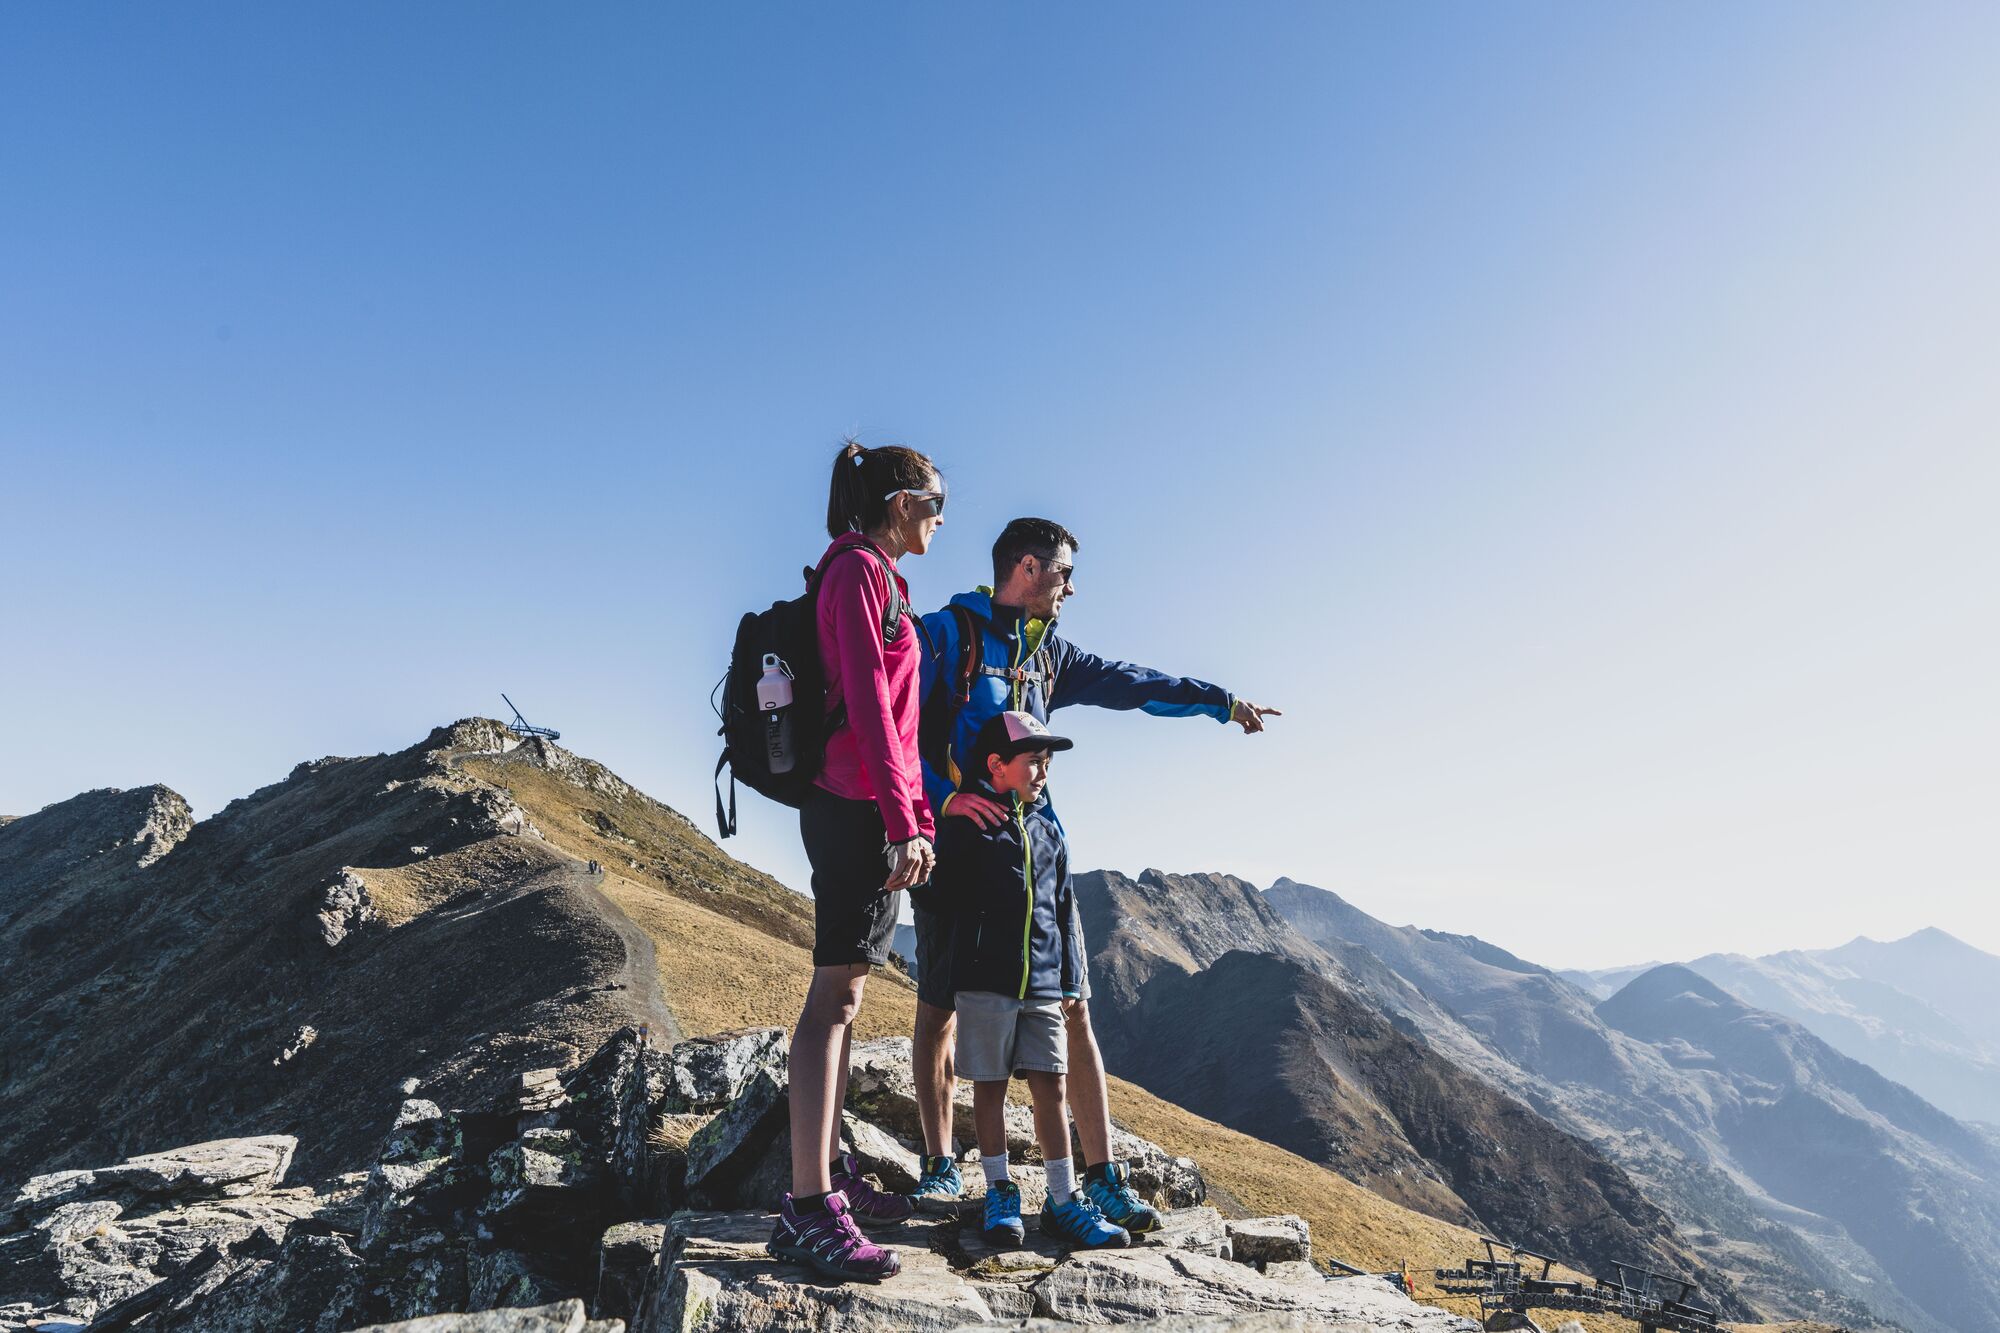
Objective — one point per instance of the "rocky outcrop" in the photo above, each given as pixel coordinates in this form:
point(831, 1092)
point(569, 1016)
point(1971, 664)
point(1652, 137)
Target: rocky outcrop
point(528, 1213)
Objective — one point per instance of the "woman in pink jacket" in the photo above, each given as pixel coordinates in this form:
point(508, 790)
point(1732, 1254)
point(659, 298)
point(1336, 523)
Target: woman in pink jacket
point(867, 831)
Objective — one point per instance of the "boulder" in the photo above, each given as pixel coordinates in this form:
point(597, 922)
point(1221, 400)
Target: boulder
point(509, 1278)
point(1159, 1177)
point(881, 1155)
point(422, 1153)
point(312, 1284)
point(613, 1100)
point(1269, 1240)
point(543, 1172)
point(84, 1256)
point(1196, 1230)
point(627, 1258)
point(729, 1147)
point(707, 1073)
point(339, 909)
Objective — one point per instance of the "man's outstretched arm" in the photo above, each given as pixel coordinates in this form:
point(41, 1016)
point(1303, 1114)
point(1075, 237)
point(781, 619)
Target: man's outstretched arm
point(1086, 678)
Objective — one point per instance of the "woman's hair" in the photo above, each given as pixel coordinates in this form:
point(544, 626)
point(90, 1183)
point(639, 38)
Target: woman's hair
point(863, 476)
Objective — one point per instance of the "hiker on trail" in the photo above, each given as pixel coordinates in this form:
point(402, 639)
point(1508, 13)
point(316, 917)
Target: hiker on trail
point(991, 651)
point(867, 830)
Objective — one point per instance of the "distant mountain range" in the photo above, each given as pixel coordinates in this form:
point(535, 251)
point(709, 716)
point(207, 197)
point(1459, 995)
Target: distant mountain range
point(1674, 1118)
point(1921, 1010)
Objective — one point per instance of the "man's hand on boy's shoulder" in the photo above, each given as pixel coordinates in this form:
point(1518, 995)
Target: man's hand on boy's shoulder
point(1251, 716)
point(981, 810)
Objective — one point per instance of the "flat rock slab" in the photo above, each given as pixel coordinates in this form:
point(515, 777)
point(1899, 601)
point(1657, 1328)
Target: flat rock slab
point(562, 1317)
point(717, 1278)
point(722, 1280)
point(1138, 1285)
point(224, 1168)
point(221, 1169)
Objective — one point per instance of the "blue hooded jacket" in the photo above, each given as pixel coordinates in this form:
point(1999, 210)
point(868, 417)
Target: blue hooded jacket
point(1010, 677)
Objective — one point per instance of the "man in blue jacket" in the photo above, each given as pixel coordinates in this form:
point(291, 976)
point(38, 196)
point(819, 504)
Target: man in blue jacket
point(989, 652)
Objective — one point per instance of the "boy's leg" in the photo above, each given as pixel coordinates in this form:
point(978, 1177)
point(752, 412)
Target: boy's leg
point(932, 1056)
point(1052, 1131)
point(1090, 1102)
point(819, 1071)
point(989, 1119)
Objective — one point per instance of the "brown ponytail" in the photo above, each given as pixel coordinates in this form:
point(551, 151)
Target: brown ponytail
point(862, 476)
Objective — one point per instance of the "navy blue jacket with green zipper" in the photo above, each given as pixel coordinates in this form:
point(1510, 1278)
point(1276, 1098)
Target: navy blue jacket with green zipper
point(1016, 929)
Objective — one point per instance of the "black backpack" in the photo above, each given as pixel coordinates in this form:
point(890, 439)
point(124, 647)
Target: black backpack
point(779, 753)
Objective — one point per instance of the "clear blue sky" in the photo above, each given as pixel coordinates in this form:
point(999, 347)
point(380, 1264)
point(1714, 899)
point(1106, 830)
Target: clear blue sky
point(1580, 419)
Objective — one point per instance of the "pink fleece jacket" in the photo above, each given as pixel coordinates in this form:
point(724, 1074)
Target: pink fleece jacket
point(873, 757)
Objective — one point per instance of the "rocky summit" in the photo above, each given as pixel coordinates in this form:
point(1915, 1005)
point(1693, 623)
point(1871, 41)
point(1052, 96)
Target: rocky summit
point(475, 1037)
point(626, 1193)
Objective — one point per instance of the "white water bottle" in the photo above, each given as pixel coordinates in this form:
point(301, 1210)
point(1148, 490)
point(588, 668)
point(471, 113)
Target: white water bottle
point(774, 701)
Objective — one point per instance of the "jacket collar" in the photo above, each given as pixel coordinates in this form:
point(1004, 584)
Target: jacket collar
point(980, 602)
point(847, 539)
point(985, 789)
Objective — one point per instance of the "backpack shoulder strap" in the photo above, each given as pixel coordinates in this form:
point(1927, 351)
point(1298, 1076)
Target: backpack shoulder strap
point(971, 655)
point(1045, 656)
point(896, 608)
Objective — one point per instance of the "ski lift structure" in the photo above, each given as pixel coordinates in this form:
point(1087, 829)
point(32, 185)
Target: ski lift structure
point(521, 727)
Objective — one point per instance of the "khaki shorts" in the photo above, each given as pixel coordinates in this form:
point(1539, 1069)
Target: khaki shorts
point(1000, 1036)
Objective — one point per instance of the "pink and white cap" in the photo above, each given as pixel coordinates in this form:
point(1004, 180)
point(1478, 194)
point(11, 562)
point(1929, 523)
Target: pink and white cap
point(1011, 733)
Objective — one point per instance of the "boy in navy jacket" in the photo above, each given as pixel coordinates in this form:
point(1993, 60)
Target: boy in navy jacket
point(1017, 964)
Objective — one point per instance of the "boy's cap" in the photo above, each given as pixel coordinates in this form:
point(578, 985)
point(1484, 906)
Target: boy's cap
point(1012, 733)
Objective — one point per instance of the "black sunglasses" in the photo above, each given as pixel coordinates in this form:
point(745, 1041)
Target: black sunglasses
point(935, 498)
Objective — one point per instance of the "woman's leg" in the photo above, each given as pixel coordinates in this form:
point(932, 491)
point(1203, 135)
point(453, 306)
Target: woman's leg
point(820, 1046)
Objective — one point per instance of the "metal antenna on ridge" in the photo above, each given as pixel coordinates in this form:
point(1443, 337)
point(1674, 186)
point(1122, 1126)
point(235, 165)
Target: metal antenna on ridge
point(520, 724)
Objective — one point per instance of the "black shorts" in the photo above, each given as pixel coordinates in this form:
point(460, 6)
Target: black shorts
point(853, 920)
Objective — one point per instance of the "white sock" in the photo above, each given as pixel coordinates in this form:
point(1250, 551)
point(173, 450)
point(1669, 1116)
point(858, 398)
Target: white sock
point(1062, 1180)
point(995, 1167)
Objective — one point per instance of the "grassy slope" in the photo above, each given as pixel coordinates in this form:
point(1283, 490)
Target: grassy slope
point(733, 952)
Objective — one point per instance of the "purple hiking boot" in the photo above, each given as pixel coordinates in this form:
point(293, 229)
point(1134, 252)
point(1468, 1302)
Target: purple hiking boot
point(868, 1205)
point(830, 1243)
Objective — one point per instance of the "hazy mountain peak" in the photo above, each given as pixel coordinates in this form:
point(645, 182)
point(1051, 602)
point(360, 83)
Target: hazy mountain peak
point(1667, 982)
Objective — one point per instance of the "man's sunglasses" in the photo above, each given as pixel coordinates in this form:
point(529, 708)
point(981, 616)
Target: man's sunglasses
point(1060, 571)
point(936, 499)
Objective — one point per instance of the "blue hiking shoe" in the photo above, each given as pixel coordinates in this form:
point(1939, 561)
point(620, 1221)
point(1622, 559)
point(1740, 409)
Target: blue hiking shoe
point(1079, 1222)
point(1110, 1188)
point(1003, 1214)
point(940, 1180)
